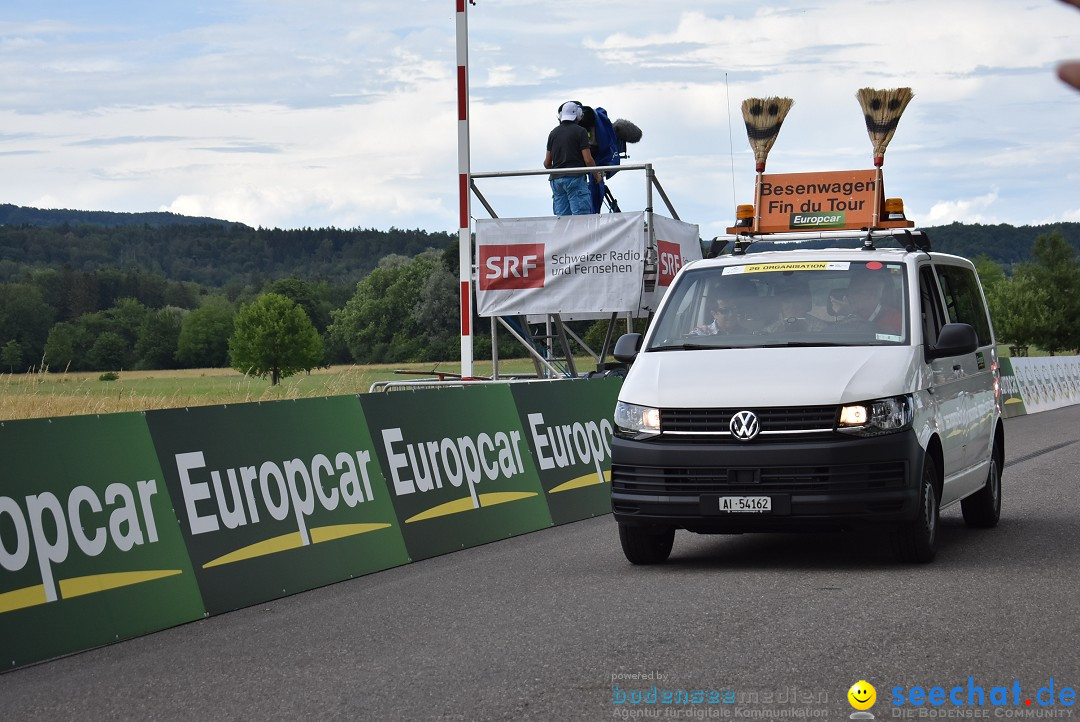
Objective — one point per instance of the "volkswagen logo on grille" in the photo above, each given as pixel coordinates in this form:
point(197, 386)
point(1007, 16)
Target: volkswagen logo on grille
point(744, 425)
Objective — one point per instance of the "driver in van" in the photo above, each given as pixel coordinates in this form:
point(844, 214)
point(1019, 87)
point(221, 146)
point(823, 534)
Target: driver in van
point(725, 319)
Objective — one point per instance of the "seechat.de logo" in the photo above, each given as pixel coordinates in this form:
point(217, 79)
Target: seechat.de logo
point(511, 266)
point(669, 256)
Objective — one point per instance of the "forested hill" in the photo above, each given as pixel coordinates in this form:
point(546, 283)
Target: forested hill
point(213, 252)
point(207, 251)
point(1002, 243)
point(22, 216)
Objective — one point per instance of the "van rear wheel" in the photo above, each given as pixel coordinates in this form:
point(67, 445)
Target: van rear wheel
point(916, 541)
point(646, 545)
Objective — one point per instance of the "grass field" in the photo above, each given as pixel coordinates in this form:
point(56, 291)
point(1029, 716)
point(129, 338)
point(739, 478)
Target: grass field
point(45, 395)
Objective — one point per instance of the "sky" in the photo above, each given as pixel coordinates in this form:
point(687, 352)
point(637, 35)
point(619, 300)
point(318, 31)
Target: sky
point(290, 114)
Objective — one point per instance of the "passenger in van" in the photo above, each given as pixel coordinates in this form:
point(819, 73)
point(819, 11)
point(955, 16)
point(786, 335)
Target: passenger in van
point(795, 305)
point(867, 302)
point(725, 316)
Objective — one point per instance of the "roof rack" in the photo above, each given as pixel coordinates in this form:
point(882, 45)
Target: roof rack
point(906, 238)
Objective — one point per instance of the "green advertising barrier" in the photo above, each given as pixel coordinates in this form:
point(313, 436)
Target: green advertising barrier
point(457, 465)
point(569, 429)
point(90, 551)
point(276, 498)
point(120, 525)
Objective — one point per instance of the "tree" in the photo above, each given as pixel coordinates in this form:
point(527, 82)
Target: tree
point(397, 312)
point(63, 346)
point(204, 335)
point(11, 355)
point(273, 336)
point(1055, 277)
point(109, 352)
point(159, 338)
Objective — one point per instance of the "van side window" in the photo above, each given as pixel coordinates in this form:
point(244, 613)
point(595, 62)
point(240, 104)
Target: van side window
point(963, 300)
point(932, 316)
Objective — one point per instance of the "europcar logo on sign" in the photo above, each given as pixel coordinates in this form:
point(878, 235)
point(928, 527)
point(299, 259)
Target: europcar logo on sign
point(669, 257)
point(506, 267)
point(276, 499)
point(457, 465)
point(86, 524)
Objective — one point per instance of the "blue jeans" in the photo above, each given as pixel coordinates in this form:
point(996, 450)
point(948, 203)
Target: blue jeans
point(570, 195)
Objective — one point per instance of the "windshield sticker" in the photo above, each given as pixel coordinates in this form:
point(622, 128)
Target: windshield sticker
point(788, 266)
point(888, 337)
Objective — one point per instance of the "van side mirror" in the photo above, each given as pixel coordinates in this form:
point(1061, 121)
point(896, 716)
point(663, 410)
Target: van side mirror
point(955, 339)
point(627, 347)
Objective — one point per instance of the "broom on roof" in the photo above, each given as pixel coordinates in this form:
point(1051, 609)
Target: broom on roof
point(764, 117)
point(883, 109)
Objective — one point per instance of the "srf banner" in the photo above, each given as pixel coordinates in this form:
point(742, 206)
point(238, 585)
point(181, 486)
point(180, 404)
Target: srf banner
point(458, 466)
point(276, 498)
point(90, 551)
point(570, 264)
point(677, 243)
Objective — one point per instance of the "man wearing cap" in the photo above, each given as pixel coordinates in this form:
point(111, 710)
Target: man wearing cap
point(568, 147)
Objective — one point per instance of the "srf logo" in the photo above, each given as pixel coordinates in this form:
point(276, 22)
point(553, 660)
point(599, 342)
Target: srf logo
point(509, 267)
point(670, 260)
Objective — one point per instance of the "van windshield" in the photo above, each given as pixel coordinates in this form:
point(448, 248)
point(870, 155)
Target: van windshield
point(804, 303)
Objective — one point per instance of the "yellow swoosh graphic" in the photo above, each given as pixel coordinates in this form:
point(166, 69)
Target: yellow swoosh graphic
point(293, 540)
point(451, 507)
point(465, 504)
point(20, 598)
point(340, 531)
point(78, 586)
point(581, 481)
point(501, 497)
point(1014, 401)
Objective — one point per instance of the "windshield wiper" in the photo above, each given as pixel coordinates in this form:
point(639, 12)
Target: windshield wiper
point(685, 347)
point(798, 344)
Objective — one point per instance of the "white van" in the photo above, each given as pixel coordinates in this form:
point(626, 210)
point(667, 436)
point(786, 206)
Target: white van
point(811, 389)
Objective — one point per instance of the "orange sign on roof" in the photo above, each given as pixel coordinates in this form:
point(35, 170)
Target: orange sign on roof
point(835, 200)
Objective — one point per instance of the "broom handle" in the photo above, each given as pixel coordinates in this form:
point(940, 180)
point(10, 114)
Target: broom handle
point(878, 194)
point(757, 203)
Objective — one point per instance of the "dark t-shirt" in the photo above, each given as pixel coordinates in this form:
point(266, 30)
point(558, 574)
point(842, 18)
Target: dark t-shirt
point(566, 142)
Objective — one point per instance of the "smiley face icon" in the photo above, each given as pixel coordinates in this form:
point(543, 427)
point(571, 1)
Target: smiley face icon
point(862, 695)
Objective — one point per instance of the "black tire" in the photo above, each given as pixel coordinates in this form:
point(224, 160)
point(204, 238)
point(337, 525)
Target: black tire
point(983, 508)
point(916, 541)
point(646, 545)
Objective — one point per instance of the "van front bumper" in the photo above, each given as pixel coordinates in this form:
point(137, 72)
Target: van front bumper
point(832, 483)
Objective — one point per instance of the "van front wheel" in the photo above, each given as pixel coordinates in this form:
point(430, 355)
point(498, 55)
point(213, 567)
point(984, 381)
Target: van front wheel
point(916, 541)
point(646, 545)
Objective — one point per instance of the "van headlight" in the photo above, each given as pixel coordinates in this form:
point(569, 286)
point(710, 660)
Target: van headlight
point(633, 421)
point(880, 416)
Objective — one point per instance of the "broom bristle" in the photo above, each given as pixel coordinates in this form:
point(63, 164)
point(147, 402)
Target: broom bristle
point(882, 110)
point(763, 118)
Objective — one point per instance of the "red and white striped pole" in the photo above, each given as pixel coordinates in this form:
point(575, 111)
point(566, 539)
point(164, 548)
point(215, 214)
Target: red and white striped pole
point(464, 179)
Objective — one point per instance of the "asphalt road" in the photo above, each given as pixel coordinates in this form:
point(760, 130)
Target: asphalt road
point(556, 625)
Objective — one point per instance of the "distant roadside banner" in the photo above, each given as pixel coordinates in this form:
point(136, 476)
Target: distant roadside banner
point(1042, 383)
point(457, 466)
point(276, 498)
point(569, 436)
point(90, 551)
